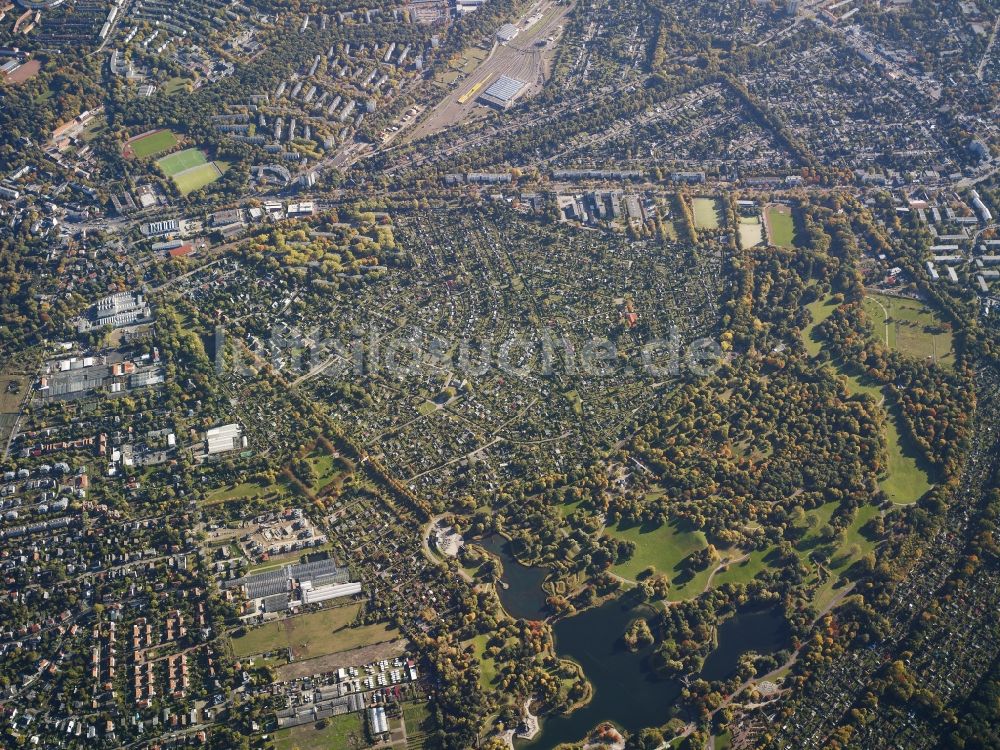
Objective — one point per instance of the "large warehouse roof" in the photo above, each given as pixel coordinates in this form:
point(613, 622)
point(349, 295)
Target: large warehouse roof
point(507, 32)
point(505, 88)
point(503, 91)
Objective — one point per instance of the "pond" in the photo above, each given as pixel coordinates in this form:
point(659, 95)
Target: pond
point(764, 631)
point(521, 588)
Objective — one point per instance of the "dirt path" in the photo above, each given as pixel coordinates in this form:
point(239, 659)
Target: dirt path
point(886, 319)
point(720, 566)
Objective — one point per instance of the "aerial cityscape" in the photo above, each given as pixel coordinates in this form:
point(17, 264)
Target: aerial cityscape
point(500, 374)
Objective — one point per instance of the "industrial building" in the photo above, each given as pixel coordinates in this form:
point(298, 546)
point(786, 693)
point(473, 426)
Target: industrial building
point(297, 585)
point(122, 309)
point(507, 33)
point(159, 228)
point(227, 437)
point(503, 92)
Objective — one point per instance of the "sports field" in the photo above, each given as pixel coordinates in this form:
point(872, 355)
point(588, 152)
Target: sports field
point(190, 169)
point(198, 177)
point(150, 144)
point(780, 226)
point(751, 231)
point(176, 163)
point(707, 213)
point(910, 327)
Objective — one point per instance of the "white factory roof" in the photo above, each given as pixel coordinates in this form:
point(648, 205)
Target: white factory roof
point(223, 438)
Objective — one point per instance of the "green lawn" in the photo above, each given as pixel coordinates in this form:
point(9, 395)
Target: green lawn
point(153, 143)
point(314, 634)
point(487, 667)
point(326, 467)
point(913, 328)
point(663, 548)
point(707, 213)
point(859, 383)
point(176, 84)
point(745, 571)
point(342, 732)
point(180, 161)
point(908, 479)
point(277, 491)
point(820, 310)
point(779, 220)
point(94, 128)
point(244, 490)
point(575, 401)
point(198, 177)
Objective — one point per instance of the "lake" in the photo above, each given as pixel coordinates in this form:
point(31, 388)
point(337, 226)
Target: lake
point(523, 595)
point(626, 691)
point(764, 631)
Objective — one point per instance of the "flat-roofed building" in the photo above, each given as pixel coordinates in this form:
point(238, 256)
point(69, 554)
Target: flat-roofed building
point(507, 32)
point(503, 92)
point(223, 438)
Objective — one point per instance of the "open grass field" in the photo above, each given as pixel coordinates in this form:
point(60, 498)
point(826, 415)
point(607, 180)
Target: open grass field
point(751, 231)
point(487, 667)
point(745, 570)
point(343, 732)
point(780, 225)
point(820, 310)
point(426, 408)
point(663, 548)
point(575, 401)
point(149, 144)
point(858, 383)
point(174, 85)
point(279, 491)
point(707, 213)
point(309, 635)
point(326, 467)
point(198, 177)
point(909, 327)
point(180, 161)
point(908, 479)
point(10, 403)
point(95, 127)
